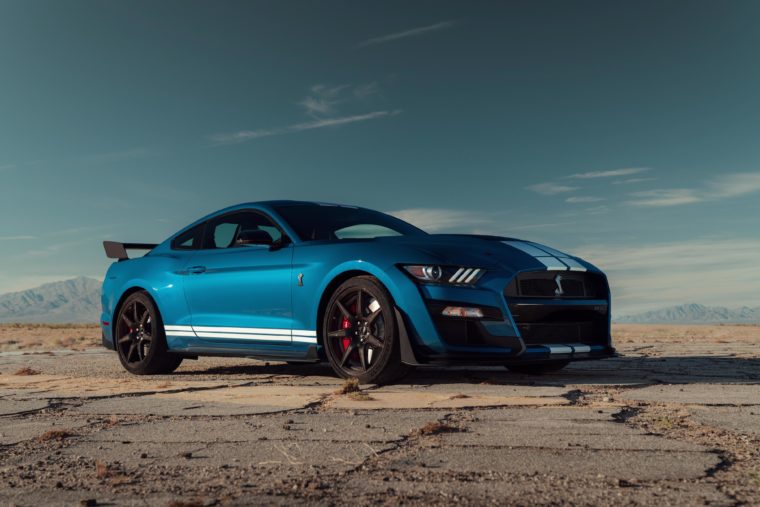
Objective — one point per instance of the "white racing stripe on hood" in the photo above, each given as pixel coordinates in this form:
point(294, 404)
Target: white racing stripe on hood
point(553, 260)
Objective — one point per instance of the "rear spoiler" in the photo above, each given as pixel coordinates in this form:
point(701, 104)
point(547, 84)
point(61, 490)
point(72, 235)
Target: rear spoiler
point(116, 250)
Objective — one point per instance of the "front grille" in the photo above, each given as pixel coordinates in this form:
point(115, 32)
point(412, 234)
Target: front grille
point(550, 307)
point(550, 284)
point(554, 323)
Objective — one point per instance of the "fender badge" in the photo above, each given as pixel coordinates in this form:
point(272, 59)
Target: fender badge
point(300, 279)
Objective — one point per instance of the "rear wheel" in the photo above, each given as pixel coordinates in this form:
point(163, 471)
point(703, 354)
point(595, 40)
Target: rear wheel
point(359, 332)
point(537, 368)
point(140, 339)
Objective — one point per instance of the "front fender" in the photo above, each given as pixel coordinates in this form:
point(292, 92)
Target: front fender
point(410, 306)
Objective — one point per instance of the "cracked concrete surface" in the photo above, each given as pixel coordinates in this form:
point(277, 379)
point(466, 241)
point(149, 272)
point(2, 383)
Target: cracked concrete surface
point(674, 421)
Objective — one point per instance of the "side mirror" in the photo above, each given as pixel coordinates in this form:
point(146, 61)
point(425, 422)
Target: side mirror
point(254, 237)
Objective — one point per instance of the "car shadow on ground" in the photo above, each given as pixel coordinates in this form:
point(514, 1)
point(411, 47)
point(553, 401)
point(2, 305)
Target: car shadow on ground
point(621, 370)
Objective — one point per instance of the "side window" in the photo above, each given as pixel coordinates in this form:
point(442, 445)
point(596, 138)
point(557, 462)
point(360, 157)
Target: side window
point(190, 239)
point(225, 231)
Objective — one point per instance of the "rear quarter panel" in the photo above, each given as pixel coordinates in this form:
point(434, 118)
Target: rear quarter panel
point(160, 275)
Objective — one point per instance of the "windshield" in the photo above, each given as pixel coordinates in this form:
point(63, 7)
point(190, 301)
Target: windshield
point(320, 222)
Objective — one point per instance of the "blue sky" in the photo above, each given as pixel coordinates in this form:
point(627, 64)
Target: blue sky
point(624, 132)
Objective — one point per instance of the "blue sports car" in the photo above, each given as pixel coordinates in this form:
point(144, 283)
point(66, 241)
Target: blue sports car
point(373, 295)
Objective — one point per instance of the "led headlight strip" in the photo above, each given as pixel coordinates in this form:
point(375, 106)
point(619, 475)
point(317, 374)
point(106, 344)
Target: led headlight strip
point(445, 275)
point(464, 275)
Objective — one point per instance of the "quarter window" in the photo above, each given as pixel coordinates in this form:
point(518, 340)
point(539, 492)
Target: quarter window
point(190, 239)
point(224, 231)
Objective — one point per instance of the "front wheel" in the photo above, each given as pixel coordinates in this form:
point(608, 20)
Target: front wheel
point(537, 368)
point(140, 339)
point(359, 332)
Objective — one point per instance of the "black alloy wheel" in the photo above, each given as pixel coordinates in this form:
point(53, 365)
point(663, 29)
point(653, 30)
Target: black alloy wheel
point(360, 334)
point(139, 337)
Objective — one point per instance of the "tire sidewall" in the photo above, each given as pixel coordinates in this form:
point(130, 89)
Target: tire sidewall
point(372, 286)
point(158, 344)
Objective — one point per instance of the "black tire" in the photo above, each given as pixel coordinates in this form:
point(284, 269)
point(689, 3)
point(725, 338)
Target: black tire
point(139, 337)
point(360, 334)
point(537, 368)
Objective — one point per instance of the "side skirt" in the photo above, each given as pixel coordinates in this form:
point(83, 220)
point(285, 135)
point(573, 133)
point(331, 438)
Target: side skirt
point(310, 356)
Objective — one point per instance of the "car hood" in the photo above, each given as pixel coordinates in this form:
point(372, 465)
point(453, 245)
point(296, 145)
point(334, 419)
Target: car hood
point(509, 254)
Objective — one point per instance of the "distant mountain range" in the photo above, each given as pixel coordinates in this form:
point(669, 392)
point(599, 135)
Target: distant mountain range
point(78, 301)
point(695, 314)
point(70, 301)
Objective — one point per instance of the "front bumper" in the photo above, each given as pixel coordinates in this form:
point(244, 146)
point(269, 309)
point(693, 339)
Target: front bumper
point(529, 329)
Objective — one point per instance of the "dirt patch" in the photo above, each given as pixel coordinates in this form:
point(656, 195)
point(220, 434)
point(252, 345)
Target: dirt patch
point(58, 435)
point(360, 396)
point(351, 385)
point(38, 337)
point(738, 473)
point(26, 371)
point(436, 428)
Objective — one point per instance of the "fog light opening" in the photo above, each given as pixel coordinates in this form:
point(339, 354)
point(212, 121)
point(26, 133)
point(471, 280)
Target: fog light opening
point(463, 311)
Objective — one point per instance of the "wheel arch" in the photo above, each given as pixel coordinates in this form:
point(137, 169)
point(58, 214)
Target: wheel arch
point(330, 289)
point(407, 351)
point(117, 308)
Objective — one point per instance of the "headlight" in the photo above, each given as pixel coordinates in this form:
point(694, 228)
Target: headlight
point(454, 275)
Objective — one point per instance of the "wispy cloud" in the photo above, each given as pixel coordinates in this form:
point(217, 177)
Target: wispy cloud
point(530, 227)
point(323, 100)
point(712, 270)
point(661, 197)
point(727, 186)
point(412, 32)
point(248, 135)
point(440, 219)
point(631, 181)
point(584, 199)
point(16, 238)
point(551, 188)
point(7, 167)
point(322, 107)
point(615, 173)
point(734, 185)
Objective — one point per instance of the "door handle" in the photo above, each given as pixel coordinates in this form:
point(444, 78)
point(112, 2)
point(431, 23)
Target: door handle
point(196, 270)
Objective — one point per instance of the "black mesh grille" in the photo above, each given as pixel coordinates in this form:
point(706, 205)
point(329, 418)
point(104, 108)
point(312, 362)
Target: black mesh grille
point(562, 285)
point(555, 321)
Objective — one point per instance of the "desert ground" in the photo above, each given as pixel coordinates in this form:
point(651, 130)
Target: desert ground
point(675, 420)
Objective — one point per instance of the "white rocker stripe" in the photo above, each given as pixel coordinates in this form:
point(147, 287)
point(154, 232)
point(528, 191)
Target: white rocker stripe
point(244, 330)
point(244, 336)
point(180, 333)
point(580, 348)
point(559, 349)
point(244, 333)
point(178, 328)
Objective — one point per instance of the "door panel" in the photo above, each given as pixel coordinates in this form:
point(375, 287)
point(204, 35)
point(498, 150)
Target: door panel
point(238, 284)
point(241, 294)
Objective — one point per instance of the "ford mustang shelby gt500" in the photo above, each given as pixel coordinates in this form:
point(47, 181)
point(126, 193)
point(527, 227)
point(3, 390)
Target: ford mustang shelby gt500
point(371, 294)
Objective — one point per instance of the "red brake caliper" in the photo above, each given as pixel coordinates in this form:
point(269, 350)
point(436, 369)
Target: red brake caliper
point(345, 324)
